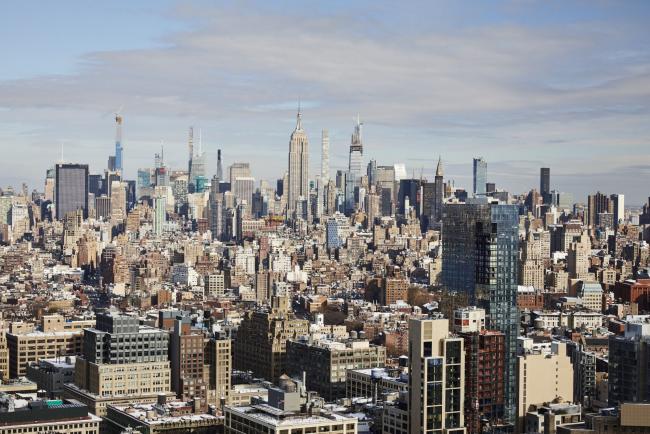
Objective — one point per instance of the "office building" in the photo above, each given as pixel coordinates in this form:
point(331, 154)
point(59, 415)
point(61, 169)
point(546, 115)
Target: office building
point(118, 200)
point(591, 294)
point(298, 180)
point(215, 285)
point(334, 229)
point(238, 170)
point(218, 356)
point(355, 164)
point(535, 250)
point(596, 204)
point(325, 362)
point(95, 185)
point(408, 196)
point(618, 208)
point(160, 214)
point(144, 183)
point(103, 208)
point(471, 233)
point(545, 184)
point(243, 187)
point(71, 189)
point(479, 177)
point(189, 374)
point(121, 360)
point(261, 343)
point(578, 258)
point(54, 338)
point(436, 378)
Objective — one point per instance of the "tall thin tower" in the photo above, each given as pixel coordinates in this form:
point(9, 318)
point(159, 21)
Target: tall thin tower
point(219, 166)
point(298, 165)
point(118, 142)
point(355, 162)
point(324, 172)
point(325, 157)
point(190, 148)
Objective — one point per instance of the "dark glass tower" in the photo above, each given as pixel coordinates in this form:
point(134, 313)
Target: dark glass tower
point(545, 183)
point(479, 172)
point(480, 249)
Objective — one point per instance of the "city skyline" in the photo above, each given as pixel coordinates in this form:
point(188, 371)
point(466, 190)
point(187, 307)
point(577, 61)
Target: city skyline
point(513, 82)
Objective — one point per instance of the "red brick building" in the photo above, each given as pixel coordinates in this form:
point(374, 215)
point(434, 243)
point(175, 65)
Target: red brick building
point(634, 291)
point(484, 371)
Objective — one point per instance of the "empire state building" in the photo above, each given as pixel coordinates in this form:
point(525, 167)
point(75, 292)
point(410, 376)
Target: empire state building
point(298, 166)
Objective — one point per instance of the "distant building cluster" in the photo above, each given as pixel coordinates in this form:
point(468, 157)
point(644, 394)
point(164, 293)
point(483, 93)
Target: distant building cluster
point(364, 302)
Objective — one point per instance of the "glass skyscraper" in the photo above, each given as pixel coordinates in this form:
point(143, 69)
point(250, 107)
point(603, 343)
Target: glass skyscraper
point(480, 176)
point(480, 245)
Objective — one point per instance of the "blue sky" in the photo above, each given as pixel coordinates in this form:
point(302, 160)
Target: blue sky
point(564, 84)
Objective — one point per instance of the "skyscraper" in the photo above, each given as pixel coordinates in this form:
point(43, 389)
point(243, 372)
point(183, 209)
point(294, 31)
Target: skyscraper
point(239, 170)
point(118, 143)
point(244, 187)
point(324, 172)
point(160, 214)
point(355, 163)
point(439, 194)
point(197, 171)
point(298, 185)
point(325, 158)
point(219, 166)
point(480, 176)
point(545, 183)
point(216, 209)
point(144, 181)
point(190, 148)
point(71, 189)
point(596, 204)
point(118, 200)
point(618, 208)
point(481, 245)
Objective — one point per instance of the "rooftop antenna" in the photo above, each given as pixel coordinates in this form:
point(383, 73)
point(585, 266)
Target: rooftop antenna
point(200, 141)
point(61, 161)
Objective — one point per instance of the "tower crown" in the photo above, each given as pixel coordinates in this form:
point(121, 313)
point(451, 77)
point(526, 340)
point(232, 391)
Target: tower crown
point(439, 171)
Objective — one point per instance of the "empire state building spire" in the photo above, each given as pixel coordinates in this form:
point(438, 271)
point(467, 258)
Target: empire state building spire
point(298, 165)
point(299, 119)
